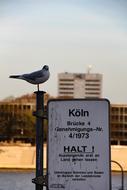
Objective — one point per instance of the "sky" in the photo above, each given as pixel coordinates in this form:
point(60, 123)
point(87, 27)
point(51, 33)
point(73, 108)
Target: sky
point(67, 35)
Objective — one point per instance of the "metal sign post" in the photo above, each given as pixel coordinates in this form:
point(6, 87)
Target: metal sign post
point(79, 144)
point(39, 180)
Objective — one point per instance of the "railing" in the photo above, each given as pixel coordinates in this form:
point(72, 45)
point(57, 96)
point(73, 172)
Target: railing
point(122, 174)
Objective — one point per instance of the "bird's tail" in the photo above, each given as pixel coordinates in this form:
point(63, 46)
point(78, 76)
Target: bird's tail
point(14, 76)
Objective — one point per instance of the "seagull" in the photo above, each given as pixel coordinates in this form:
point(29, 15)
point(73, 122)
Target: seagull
point(36, 77)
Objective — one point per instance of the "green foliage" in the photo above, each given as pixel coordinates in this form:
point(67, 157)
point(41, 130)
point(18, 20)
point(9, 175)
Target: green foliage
point(19, 126)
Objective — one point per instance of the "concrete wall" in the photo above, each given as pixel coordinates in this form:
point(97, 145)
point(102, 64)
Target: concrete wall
point(24, 157)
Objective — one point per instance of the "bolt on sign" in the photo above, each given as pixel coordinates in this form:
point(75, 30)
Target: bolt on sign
point(79, 145)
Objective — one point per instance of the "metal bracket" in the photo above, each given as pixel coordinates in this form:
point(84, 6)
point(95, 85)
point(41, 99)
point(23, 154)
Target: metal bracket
point(40, 180)
point(40, 114)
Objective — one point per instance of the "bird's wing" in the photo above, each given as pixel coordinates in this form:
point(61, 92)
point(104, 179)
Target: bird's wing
point(34, 75)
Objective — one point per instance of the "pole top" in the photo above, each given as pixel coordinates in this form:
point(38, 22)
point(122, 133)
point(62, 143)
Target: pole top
point(39, 92)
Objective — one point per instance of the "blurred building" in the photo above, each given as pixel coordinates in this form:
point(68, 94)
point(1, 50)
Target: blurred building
point(118, 123)
point(80, 85)
point(16, 118)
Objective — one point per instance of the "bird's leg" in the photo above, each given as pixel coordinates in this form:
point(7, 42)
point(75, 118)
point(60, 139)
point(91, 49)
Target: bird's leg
point(38, 87)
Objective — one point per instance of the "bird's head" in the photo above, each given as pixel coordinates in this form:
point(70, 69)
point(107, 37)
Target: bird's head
point(46, 67)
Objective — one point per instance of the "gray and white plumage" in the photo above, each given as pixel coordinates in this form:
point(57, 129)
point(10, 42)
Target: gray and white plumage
point(36, 77)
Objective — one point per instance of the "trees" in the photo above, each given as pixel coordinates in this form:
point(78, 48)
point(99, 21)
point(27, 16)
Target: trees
point(17, 126)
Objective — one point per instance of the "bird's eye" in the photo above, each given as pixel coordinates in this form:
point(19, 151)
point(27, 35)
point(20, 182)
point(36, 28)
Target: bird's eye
point(45, 67)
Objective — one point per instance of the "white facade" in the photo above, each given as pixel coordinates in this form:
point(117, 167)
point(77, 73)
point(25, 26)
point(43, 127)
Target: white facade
point(93, 85)
point(88, 85)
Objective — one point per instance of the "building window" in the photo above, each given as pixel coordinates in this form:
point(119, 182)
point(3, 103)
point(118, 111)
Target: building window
point(126, 110)
point(93, 89)
point(65, 84)
point(121, 110)
point(67, 80)
point(66, 93)
point(95, 80)
point(62, 88)
point(92, 93)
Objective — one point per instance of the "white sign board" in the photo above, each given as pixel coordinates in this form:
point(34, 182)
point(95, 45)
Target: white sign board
point(78, 145)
